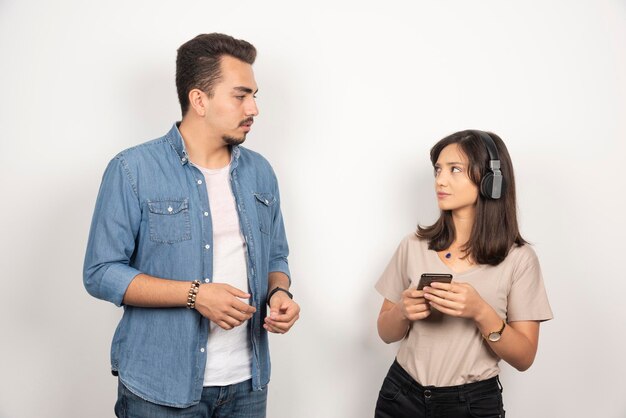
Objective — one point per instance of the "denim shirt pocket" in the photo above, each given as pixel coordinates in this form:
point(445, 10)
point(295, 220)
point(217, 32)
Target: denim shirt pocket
point(264, 202)
point(169, 220)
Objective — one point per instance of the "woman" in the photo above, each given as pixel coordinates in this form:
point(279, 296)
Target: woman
point(454, 334)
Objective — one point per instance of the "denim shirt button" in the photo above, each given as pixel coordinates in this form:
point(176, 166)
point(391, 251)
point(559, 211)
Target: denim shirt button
point(206, 213)
point(202, 350)
point(207, 246)
point(199, 181)
point(207, 280)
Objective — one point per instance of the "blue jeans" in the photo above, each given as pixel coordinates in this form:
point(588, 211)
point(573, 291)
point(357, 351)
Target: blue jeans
point(232, 401)
point(401, 396)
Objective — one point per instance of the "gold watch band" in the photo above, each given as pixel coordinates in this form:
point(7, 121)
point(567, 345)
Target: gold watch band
point(494, 336)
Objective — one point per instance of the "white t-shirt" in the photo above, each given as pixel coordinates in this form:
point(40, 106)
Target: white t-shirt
point(229, 353)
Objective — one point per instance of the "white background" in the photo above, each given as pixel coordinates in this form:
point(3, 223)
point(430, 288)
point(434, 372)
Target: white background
point(352, 96)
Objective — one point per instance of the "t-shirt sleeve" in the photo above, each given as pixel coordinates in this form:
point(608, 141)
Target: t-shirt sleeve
point(394, 279)
point(528, 300)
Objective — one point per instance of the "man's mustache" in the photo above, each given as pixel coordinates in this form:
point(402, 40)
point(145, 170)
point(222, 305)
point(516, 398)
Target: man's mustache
point(245, 121)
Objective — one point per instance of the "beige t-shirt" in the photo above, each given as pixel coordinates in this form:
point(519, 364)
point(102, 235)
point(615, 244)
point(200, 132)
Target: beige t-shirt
point(442, 350)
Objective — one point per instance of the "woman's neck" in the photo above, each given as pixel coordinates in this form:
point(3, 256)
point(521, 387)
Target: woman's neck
point(463, 220)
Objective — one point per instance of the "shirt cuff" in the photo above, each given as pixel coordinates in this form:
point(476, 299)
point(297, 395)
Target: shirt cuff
point(115, 282)
point(282, 266)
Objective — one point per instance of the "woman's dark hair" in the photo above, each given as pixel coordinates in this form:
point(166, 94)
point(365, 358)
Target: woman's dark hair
point(198, 63)
point(495, 228)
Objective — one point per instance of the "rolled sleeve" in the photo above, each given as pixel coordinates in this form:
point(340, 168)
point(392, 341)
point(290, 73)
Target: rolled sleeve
point(279, 250)
point(280, 265)
point(115, 281)
point(115, 224)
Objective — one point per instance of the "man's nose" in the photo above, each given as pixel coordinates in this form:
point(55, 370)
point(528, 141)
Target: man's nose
point(252, 109)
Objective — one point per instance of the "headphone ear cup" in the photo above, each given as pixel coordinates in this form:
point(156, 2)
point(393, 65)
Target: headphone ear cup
point(486, 185)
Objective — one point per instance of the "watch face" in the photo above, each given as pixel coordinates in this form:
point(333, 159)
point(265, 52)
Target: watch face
point(494, 336)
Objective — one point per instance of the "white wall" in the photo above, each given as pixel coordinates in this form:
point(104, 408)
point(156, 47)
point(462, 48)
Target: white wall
point(352, 96)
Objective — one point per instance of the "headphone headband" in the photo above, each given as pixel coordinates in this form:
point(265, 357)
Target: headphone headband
point(489, 144)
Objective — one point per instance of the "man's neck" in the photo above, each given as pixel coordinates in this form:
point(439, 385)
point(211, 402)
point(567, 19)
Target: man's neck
point(203, 148)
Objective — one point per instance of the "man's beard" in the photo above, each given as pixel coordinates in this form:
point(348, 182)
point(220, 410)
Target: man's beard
point(232, 141)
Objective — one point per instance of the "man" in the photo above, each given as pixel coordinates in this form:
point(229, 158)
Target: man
point(188, 236)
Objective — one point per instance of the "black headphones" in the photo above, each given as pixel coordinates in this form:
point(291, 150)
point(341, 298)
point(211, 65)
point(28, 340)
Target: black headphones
point(492, 183)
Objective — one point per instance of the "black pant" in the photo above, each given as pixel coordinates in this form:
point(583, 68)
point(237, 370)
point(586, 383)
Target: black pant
point(401, 396)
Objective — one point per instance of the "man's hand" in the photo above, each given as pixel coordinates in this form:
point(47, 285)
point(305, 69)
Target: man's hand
point(221, 304)
point(284, 312)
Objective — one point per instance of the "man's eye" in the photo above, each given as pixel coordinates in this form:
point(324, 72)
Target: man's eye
point(240, 97)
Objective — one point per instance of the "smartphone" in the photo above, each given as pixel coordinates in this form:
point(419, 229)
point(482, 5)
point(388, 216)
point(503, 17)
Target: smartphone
point(428, 278)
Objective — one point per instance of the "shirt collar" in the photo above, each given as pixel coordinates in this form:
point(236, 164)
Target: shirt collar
point(178, 145)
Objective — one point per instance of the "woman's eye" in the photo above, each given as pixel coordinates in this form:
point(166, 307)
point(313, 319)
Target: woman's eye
point(456, 169)
point(437, 171)
point(240, 97)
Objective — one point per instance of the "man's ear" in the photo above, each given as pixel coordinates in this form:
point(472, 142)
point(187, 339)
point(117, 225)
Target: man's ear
point(198, 101)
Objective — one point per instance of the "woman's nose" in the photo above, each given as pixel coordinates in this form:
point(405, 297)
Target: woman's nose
point(441, 179)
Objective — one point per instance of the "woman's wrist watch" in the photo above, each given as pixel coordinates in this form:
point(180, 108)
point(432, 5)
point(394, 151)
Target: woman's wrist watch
point(494, 336)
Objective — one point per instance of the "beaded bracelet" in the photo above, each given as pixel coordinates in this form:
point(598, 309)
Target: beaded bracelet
point(191, 297)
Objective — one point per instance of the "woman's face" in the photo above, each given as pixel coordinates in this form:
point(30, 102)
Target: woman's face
point(455, 190)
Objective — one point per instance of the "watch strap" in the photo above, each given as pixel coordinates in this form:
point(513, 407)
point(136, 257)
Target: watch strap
point(278, 289)
point(499, 332)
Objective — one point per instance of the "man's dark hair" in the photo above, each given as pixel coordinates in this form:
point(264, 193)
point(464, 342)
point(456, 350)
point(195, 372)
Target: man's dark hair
point(198, 63)
point(495, 228)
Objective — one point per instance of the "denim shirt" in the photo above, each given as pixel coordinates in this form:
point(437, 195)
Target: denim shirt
point(152, 216)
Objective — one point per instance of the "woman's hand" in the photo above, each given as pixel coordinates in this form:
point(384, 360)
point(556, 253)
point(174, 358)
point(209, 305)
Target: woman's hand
point(455, 299)
point(518, 344)
point(413, 306)
point(394, 319)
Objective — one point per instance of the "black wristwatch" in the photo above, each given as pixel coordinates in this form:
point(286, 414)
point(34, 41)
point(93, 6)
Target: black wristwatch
point(278, 289)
